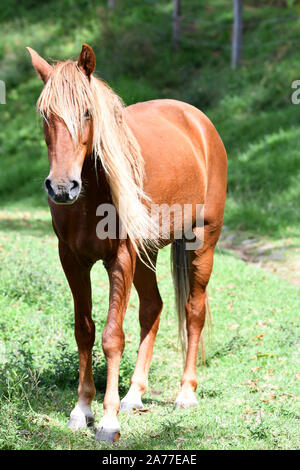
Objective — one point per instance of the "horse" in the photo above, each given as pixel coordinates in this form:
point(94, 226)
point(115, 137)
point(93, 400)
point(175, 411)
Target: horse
point(160, 152)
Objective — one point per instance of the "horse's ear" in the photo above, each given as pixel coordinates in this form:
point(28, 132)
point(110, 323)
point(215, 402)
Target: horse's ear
point(87, 60)
point(41, 65)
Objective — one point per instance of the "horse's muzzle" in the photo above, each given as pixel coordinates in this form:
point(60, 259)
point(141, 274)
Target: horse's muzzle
point(63, 192)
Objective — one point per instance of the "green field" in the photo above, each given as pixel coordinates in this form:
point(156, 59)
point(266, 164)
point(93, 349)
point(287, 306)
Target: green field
point(249, 386)
point(247, 390)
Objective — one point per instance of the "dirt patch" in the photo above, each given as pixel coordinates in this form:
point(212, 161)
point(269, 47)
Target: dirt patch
point(281, 257)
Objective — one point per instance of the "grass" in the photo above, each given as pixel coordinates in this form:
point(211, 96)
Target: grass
point(248, 389)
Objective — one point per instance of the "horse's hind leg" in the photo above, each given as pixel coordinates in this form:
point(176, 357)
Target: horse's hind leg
point(78, 276)
point(201, 262)
point(149, 315)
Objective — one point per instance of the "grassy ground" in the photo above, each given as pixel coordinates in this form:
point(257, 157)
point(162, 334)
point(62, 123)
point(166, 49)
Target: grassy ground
point(248, 389)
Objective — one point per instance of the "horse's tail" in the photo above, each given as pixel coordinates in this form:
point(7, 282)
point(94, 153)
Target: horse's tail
point(180, 264)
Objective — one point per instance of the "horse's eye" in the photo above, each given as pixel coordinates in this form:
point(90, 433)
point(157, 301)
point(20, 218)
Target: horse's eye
point(87, 115)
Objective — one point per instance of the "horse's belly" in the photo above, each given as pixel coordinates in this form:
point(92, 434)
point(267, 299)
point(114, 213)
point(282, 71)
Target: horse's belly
point(174, 161)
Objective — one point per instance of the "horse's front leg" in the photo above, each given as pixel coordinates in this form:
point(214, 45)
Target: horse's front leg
point(78, 275)
point(120, 271)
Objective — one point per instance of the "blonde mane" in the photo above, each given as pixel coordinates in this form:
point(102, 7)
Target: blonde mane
point(68, 94)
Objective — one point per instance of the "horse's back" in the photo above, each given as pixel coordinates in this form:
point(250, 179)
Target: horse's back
point(184, 156)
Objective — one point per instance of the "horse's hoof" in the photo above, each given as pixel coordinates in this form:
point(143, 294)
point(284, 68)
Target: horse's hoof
point(130, 406)
point(107, 435)
point(108, 430)
point(81, 417)
point(79, 422)
point(185, 404)
point(186, 400)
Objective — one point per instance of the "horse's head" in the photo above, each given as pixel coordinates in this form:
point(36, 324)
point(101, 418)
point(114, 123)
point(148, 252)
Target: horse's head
point(66, 104)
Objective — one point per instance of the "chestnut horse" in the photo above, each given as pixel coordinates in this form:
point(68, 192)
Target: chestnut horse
point(162, 152)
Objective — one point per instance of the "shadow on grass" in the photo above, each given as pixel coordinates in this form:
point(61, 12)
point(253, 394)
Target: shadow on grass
point(57, 368)
point(263, 185)
point(169, 435)
point(37, 403)
point(42, 424)
point(222, 350)
point(157, 401)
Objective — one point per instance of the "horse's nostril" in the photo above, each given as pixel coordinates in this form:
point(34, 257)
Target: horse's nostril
point(75, 184)
point(48, 184)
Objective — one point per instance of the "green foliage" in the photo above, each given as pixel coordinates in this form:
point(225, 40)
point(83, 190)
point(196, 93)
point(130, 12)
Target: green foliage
point(251, 107)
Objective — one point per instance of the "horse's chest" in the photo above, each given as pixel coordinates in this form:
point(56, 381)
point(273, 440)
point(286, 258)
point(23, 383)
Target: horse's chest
point(77, 227)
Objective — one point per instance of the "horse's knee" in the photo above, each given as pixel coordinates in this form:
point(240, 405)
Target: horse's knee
point(85, 332)
point(150, 311)
point(113, 340)
point(156, 306)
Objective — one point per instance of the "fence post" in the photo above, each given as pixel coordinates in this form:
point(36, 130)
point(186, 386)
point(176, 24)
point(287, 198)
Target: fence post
point(176, 23)
point(237, 33)
point(111, 4)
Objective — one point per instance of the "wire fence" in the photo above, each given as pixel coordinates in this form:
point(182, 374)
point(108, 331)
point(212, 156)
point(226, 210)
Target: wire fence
point(247, 22)
point(254, 45)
